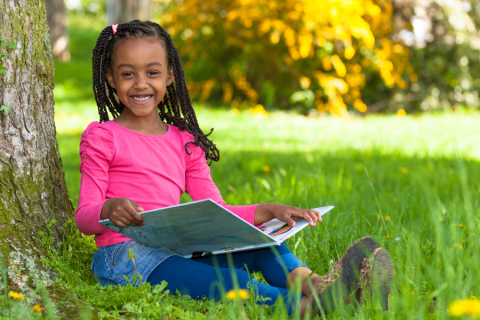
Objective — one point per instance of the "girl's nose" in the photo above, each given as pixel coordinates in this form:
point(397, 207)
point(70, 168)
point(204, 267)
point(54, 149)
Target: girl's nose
point(141, 83)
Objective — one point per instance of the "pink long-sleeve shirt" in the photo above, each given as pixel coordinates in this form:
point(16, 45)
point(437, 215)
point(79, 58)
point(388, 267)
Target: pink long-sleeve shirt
point(151, 170)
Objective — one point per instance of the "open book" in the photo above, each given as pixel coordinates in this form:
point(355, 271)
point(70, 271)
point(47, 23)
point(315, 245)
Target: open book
point(205, 227)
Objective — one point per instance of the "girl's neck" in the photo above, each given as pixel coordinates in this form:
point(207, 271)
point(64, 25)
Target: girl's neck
point(151, 125)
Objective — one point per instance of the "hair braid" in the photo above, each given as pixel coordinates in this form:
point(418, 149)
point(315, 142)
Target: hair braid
point(175, 108)
point(96, 62)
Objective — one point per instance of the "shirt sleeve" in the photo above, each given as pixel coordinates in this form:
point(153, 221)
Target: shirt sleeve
point(200, 185)
point(96, 154)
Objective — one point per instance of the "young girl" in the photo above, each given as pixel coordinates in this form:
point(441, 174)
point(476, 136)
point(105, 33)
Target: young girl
point(151, 153)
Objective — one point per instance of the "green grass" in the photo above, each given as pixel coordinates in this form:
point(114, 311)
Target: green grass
point(412, 183)
point(409, 182)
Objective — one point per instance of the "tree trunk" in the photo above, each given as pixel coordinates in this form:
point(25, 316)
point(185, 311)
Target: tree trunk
point(121, 11)
point(57, 23)
point(32, 182)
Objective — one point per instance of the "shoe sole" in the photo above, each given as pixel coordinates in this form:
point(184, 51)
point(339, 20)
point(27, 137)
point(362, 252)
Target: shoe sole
point(382, 277)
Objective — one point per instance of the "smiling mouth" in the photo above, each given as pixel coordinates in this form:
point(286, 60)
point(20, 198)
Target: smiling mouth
point(141, 98)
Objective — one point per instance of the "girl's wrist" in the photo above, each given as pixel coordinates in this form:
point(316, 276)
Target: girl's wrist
point(105, 214)
point(263, 213)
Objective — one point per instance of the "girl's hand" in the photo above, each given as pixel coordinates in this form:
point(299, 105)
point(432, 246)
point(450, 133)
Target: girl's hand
point(123, 212)
point(267, 211)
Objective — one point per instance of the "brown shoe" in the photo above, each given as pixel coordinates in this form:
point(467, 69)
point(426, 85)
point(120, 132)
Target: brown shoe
point(376, 276)
point(343, 278)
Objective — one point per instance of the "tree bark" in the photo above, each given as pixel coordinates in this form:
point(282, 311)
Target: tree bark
point(121, 11)
point(57, 23)
point(32, 182)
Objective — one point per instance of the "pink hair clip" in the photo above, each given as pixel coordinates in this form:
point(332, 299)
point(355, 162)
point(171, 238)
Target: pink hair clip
point(114, 28)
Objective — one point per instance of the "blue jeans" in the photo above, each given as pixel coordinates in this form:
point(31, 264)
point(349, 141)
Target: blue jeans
point(201, 277)
point(210, 276)
point(111, 264)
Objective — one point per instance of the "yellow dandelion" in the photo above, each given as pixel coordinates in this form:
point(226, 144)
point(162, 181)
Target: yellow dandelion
point(237, 294)
point(413, 292)
point(266, 169)
point(36, 308)
point(387, 218)
point(16, 296)
point(387, 236)
point(470, 307)
point(457, 245)
point(401, 113)
point(404, 170)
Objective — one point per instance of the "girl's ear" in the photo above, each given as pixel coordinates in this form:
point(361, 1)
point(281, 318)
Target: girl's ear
point(110, 78)
point(170, 77)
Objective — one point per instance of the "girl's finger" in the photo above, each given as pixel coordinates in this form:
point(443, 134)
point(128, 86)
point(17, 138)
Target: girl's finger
point(127, 217)
point(287, 218)
point(306, 216)
point(120, 222)
point(319, 217)
point(289, 221)
point(136, 206)
point(124, 216)
point(137, 219)
point(313, 215)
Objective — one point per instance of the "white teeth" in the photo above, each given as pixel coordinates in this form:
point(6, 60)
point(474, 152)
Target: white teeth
point(141, 98)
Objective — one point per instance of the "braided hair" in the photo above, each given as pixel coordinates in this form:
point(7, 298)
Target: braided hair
point(175, 108)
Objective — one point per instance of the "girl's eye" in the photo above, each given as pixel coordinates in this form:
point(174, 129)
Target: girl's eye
point(153, 73)
point(127, 74)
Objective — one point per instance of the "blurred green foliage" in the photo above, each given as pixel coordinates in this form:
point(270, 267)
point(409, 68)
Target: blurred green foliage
point(73, 78)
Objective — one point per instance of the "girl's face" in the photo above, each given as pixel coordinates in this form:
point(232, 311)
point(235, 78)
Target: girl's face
point(139, 72)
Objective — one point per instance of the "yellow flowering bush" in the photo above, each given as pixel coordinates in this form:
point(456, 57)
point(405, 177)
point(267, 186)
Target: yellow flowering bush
point(318, 54)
